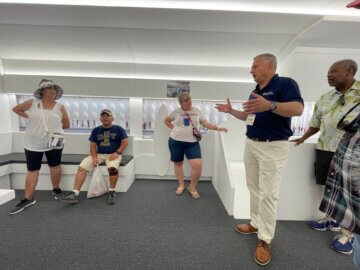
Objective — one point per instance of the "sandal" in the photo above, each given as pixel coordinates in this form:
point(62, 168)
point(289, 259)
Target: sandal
point(194, 194)
point(179, 191)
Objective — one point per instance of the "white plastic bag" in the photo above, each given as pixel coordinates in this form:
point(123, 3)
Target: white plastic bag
point(98, 186)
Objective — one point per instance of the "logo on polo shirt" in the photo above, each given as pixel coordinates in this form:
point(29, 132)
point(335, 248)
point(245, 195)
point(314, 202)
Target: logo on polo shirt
point(268, 93)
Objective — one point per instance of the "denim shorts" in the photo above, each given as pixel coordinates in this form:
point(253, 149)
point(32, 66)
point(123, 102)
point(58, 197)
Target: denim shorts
point(179, 148)
point(34, 159)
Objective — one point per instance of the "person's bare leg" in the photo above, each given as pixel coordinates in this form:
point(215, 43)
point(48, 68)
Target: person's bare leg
point(196, 167)
point(31, 180)
point(55, 174)
point(80, 178)
point(179, 173)
point(113, 180)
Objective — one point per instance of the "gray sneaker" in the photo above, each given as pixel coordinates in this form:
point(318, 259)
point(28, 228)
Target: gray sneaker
point(70, 197)
point(22, 205)
point(111, 198)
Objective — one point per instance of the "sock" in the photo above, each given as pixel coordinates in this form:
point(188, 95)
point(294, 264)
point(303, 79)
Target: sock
point(57, 190)
point(76, 192)
point(111, 189)
point(345, 232)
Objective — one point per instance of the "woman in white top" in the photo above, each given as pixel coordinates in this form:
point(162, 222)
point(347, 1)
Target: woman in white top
point(183, 142)
point(45, 116)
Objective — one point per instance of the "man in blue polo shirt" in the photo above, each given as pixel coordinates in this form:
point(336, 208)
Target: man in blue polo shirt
point(268, 115)
point(107, 143)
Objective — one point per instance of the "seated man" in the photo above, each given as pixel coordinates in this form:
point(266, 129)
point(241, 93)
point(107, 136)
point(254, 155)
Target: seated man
point(107, 142)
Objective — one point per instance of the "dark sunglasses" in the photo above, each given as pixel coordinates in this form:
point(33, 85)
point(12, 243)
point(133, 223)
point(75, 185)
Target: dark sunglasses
point(342, 100)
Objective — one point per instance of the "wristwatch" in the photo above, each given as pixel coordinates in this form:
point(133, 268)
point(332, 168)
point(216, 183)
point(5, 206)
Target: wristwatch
point(118, 152)
point(273, 106)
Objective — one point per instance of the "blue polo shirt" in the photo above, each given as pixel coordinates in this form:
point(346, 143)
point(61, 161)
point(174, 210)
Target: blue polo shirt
point(269, 125)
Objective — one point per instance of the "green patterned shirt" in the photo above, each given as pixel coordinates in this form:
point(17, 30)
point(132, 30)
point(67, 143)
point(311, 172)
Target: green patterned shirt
point(327, 113)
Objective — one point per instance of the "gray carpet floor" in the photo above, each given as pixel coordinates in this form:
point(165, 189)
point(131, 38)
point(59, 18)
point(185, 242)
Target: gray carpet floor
point(150, 228)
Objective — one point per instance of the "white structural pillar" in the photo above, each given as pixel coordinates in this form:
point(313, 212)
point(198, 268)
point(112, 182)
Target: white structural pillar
point(160, 143)
point(6, 194)
point(136, 117)
point(5, 110)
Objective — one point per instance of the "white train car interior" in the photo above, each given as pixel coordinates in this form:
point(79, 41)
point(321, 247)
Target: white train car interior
point(122, 55)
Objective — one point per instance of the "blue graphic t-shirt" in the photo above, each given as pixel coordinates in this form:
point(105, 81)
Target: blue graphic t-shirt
point(107, 140)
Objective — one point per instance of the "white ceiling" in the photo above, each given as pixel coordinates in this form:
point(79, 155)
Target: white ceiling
point(195, 34)
point(167, 19)
point(318, 7)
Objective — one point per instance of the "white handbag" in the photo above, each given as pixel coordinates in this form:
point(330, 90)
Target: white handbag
point(55, 140)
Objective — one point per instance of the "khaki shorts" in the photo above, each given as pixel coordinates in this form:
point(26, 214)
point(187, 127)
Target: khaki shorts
point(87, 163)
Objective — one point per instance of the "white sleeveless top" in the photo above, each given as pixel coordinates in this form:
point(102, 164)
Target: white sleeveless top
point(36, 136)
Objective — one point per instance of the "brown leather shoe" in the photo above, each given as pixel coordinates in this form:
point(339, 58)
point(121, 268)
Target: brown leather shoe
point(262, 253)
point(245, 229)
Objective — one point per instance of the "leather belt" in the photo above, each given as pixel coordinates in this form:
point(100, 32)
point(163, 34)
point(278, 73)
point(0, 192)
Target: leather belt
point(265, 140)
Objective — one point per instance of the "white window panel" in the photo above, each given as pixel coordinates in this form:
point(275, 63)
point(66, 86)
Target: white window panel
point(151, 107)
point(84, 111)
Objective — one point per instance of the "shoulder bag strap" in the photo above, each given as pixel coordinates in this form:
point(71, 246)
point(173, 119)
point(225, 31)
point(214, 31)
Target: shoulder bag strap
point(189, 119)
point(43, 117)
point(342, 119)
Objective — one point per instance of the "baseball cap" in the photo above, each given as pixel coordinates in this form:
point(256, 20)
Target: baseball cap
point(106, 111)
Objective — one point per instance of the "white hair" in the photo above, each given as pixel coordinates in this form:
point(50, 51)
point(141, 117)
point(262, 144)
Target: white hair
point(269, 57)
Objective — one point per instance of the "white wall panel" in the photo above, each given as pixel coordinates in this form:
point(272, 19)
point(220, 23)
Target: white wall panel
point(64, 43)
point(300, 196)
point(15, 120)
point(201, 48)
point(221, 90)
point(5, 111)
point(5, 123)
point(69, 68)
point(126, 177)
point(129, 87)
point(1, 76)
point(57, 15)
point(322, 35)
point(214, 21)
point(143, 147)
point(136, 117)
point(277, 6)
point(145, 163)
point(309, 67)
point(73, 85)
point(192, 72)
point(6, 142)
point(125, 70)
point(154, 18)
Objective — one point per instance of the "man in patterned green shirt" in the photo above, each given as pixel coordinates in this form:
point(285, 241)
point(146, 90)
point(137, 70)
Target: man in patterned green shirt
point(328, 111)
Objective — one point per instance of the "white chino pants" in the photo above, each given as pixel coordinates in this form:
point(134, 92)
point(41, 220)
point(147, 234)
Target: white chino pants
point(264, 162)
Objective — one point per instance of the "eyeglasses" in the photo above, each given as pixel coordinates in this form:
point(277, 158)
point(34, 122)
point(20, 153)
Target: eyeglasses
point(342, 100)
